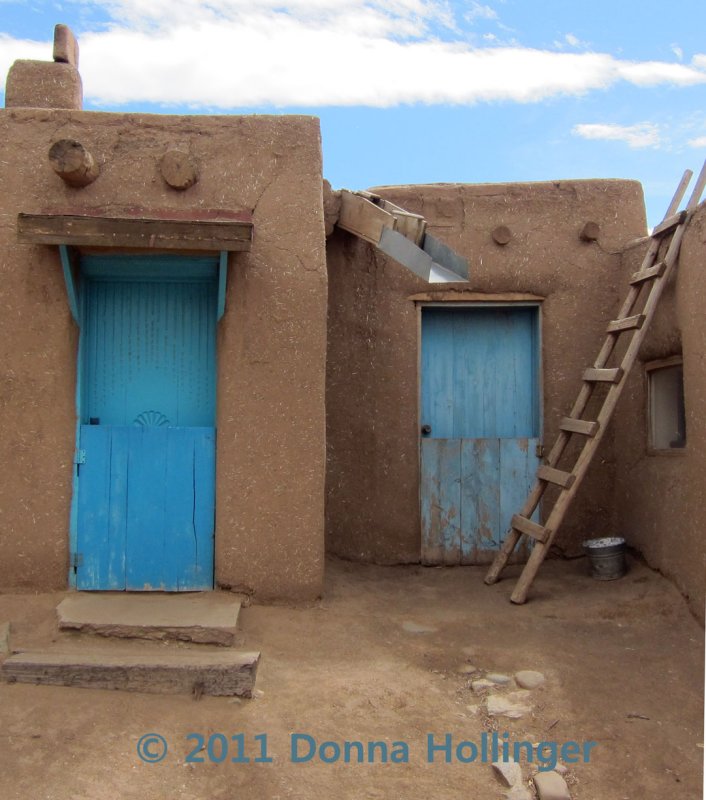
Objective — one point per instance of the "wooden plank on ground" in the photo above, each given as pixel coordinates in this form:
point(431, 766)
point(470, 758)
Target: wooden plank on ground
point(101, 231)
point(221, 673)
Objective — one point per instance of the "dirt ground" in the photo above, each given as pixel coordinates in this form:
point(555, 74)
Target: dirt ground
point(385, 656)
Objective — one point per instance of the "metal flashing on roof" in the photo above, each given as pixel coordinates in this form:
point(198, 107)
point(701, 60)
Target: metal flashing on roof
point(402, 236)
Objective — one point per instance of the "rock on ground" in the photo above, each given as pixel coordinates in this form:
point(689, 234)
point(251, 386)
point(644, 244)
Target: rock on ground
point(551, 786)
point(498, 677)
point(529, 679)
point(513, 705)
point(509, 771)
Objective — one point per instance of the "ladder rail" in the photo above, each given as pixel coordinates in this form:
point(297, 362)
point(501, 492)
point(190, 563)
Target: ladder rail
point(533, 499)
point(591, 444)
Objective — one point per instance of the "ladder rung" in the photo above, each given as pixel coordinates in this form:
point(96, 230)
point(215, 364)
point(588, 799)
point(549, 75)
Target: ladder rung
point(579, 426)
point(524, 525)
point(564, 479)
point(647, 274)
point(603, 375)
point(626, 324)
point(669, 223)
point(654, 268)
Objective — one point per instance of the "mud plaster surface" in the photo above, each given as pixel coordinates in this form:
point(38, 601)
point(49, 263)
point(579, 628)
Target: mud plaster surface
point(372, 491)
point(659, 498)
point(348, 669)
point(271, 342)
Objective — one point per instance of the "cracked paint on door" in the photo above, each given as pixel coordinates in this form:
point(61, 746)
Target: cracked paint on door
point(480, 397)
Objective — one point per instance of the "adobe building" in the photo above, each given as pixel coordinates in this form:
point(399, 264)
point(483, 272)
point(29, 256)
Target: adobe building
point(109, 418)
point(209, 383)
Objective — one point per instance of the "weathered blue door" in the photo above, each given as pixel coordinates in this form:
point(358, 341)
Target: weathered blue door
point(146, 480)
point(480, 427)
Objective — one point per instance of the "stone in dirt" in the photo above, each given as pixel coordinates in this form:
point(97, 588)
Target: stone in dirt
point(551, 786)
point(499, 678)
point(414, 627)
point(467, 669)
point(482, 684)
point(509, 771)
point(529, 678)
point(513, 705)
point(4, 638)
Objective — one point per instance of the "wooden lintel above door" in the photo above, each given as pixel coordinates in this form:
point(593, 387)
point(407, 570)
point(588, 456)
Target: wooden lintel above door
point(169, 230)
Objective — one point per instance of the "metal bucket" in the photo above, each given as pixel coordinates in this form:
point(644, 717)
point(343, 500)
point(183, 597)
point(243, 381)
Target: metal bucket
point(607, 557)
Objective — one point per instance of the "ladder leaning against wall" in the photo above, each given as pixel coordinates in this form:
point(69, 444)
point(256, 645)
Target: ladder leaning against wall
point(609, 369)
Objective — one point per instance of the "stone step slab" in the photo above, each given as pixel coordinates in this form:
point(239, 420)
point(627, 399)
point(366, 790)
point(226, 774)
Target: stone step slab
point(203, 617)
point(211, 672)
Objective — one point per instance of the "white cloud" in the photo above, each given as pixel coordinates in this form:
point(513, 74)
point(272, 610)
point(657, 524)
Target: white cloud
point(653, 73)
point(678, 52)
point(479, 11)
point(698, 142)
point(12, 49)
point(224, 54)
point(644, 134)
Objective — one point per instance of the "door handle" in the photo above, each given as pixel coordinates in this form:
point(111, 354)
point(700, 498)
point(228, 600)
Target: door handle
point(426, 430)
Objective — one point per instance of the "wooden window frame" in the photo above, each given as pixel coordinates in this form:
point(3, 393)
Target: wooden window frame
point(650, 367)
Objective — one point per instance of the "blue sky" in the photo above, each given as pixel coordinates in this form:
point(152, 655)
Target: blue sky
point(412, 91)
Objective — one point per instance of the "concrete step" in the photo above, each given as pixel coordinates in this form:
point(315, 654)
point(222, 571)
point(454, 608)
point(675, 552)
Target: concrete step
point(211, 672)
point(204, 617)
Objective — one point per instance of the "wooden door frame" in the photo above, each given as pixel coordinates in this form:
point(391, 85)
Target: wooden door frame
point(476, 300)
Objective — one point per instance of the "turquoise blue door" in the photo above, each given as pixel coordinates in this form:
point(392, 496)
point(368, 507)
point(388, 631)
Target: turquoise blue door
point(480, 427)
point(146, 471)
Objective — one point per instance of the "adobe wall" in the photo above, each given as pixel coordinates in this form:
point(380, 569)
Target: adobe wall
point(660, 497)
point(372, 491)
point(271, 342)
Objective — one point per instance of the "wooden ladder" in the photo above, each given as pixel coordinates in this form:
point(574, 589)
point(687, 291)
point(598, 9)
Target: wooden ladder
point(631, 321)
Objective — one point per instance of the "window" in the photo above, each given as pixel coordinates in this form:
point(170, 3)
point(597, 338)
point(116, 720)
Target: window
point(665, 396)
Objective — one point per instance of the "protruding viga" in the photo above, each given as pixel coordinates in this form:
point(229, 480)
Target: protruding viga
point(73, 163)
